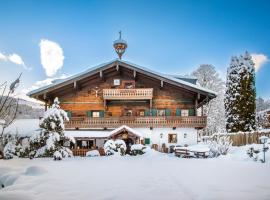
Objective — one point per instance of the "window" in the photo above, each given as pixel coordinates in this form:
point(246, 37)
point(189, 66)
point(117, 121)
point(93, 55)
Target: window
point(172, 138)
point(96, 114)
point(185, 135)
point(161, 112)
point(184, 113)
point(116, 82)
point(141, 113)
point(127, 112)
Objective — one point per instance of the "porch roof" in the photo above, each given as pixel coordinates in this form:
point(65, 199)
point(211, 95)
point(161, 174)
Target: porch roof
point(125, 128)
point(101, 133)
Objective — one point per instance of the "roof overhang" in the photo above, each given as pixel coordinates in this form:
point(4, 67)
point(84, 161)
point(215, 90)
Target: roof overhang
point(116, 63)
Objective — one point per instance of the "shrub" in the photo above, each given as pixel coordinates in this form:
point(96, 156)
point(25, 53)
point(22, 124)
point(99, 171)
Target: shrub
point(137, 149)
point(220, 146)
point(111, 147)
point(93, 153)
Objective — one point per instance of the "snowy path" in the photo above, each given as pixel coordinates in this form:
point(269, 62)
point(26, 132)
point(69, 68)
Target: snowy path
point(145, 177)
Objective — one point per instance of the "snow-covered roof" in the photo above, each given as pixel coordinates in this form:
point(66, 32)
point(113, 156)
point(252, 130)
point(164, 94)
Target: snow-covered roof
point(125, 128)
point(91, 71)
point(88, 133)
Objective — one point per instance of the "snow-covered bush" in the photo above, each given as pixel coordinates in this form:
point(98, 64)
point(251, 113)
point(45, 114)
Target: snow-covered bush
point(57, 155)
point(137, 149)
point(121, 147)
point(46, 142)
point(92, 153)
point(14, 146)
point(111, 146)
point(220, 145)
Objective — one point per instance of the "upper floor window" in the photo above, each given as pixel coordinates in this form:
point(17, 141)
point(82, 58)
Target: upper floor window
point(141, 113)
point(184, 113)
point(161, 112)
point(116, 82)
point(96, 114)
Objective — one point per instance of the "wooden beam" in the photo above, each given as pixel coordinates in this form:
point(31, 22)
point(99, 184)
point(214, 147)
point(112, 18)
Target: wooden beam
point(134, 73)
point(161, 84)
point(75, 85)
point(100, 74)
point(117, 67)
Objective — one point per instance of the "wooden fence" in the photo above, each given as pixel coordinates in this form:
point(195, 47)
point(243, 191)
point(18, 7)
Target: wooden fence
point(240, 139)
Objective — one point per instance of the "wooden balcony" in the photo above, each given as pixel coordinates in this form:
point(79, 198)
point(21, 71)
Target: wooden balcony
point(120, 94)
point(137, 122)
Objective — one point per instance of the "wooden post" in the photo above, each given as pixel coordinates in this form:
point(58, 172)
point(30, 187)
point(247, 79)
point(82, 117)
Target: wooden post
point(202, 110)
point(196, 106)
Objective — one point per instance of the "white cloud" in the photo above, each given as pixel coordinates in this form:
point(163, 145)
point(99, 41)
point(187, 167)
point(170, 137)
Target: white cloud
point(3, 57)
point(23, 93)
point(259, 60)
point(52, 57)
point(14, 58)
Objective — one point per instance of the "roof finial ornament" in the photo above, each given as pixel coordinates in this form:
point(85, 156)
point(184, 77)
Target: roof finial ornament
point(120, 45)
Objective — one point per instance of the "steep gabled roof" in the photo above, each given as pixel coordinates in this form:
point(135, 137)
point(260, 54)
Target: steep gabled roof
point(175, 80)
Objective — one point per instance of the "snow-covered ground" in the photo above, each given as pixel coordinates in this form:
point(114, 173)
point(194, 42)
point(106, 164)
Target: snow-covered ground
point(150, 176)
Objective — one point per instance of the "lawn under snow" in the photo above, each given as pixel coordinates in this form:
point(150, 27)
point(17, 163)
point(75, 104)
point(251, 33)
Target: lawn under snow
point(151, 176)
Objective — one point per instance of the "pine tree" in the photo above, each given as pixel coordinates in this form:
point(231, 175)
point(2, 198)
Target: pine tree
point(47, 142)
point(240, 95)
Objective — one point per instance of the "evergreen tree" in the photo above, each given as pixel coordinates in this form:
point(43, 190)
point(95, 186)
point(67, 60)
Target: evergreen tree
point(240, 95)
point(48, 141)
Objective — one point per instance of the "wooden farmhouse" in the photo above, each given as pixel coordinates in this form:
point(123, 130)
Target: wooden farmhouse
point(123, 100)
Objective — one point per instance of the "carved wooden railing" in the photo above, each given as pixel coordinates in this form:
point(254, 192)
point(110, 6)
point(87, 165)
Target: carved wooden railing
point(143, 122)
point(117, 94)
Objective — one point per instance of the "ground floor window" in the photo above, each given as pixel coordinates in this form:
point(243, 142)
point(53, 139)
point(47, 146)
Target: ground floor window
point(85, 144)
point(172, 138)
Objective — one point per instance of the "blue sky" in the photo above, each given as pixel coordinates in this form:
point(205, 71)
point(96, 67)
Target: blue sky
point(167, 36)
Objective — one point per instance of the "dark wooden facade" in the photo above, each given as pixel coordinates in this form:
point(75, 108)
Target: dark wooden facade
point(95, 100)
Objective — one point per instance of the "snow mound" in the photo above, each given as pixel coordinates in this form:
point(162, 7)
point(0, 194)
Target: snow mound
point(35, 171)
point(93, 153)
point(16, 195)
point(8, 179)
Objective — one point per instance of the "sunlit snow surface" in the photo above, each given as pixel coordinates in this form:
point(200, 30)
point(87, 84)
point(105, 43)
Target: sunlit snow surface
point(150, 176)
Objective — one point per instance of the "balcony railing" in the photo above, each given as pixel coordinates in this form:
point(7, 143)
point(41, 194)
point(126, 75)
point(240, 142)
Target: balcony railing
point(118, 94)
point(137, 122)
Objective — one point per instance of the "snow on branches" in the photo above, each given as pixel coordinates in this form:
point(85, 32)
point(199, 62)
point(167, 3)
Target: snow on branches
point(47, 143)
point(240, 94)
point(209, 78)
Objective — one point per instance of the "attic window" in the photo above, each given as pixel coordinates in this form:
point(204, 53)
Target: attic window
point(116, 82)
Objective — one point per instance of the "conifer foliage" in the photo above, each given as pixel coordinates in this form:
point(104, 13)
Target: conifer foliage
point(240, 97)
point(47, 143)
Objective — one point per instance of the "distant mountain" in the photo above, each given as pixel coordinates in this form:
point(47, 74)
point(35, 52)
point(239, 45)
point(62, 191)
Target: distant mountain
point(29, 110)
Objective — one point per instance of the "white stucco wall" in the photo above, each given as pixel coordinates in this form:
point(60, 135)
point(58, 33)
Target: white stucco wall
point(154, 135)
point(100, 142)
